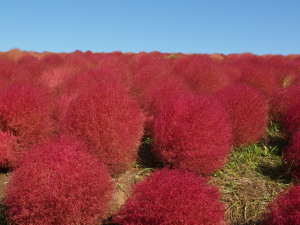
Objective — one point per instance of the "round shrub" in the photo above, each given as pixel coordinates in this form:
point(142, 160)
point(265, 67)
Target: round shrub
point(146, 77)
point(11, 71)
point(7, 146)
point(285, 209)
point(292, 154)
point(260, 75)
point(31, 64)
point(59, 183)
point(201, 73)
point(282, 101)
point(172, 197)
point(115, 67)
point(25, 113)
point(193, 132)
point(109, 122)
point(291, 121)
point(159, 93)
point(248, 111)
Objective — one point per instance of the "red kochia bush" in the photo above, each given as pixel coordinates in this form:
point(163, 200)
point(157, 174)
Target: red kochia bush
point(10, 71)
point(193, 132)
point(260, 75)
point(291, 121)
point(7, 144)
point(115, 67)
point(25, 113)
point(285, 210)
point(109, 121)
point(248, 111)
point(282, 101)
point(59, 183)
point(201, 73)
point(292, 154)
point(172, 197)
point(159, 93)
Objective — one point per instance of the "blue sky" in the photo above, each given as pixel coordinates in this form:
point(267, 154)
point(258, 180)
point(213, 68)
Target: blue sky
point(211, 26)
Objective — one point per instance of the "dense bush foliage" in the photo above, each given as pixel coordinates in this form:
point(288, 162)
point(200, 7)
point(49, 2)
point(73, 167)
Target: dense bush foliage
point(194, 133)
point(248, 111)
point(172, 197)
point(291, 121)
point(260, 75)
point(201, 73)
point(282, 101)
point(25, 113)
point(7, 149)
point(109, 122)
point(285, 210)
point(59, 183)
point(292, 154)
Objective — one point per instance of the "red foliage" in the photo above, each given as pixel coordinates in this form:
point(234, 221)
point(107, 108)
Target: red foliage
point(158, 94)
point(115, 67)
point(282, 101)
point(291, 121)
point(143, 59)
point(248, 111)
point(25, 112)
point(10, 71)
point(7, 146)
point(109, 121)
point(285, 210)
point(161, 91)
point(193, 132)
point(31, 64)
point(232, 72)
point(292, 154)
point(59, 183)
point(201, 73)
point(52, 60)
point(146, 76)
point(172, 197)
point(260, 75)
point(55, 77)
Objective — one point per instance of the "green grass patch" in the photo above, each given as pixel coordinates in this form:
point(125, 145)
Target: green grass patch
point(252, 178)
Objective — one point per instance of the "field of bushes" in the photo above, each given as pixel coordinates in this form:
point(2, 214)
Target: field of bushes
point(149, 138)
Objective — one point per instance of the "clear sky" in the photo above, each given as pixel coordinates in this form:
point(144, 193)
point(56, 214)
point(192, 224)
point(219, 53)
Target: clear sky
point(188, 26)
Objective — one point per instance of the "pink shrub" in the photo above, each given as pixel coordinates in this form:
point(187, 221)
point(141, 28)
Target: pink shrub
point(147, 76)
point(292, 154)
point(194, 133)
point(285, 209)
point(55, 77)
point(143, 59)
point(7, 147)
point(260, 75)
point(78, 63)
point(201, 73)
point(10, 71)
point(232, 72)
point(31, 64)
point(109, 121)
point(158, 94)
point(172, 197)
point(248, 111)
point(291, 121)
point(115, 68)
point(282, 101)
point(59, 183)
point(25, 113)
point(161, 91)
point(52, 60)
